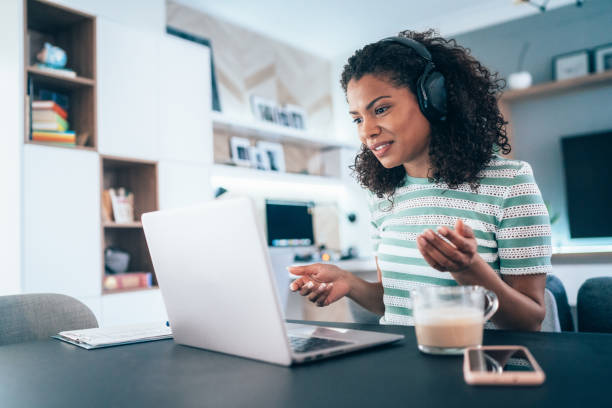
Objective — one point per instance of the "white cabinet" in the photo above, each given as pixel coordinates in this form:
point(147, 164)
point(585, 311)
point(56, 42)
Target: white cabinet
point(128, 83)
point(182, 184)
point(61, 221)
point(185, 101)
point(131, 308)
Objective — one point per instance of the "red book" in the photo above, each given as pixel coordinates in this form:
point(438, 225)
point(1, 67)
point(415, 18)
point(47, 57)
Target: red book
point(50, 105)
point(128, 280)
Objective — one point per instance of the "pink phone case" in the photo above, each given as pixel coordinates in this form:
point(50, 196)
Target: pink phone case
point(536, 377)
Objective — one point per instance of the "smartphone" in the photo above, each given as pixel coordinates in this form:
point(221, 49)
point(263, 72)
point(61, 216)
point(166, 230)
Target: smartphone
point(501, 365)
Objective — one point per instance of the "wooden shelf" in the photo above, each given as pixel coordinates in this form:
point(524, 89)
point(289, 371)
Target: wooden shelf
point(126, 225)
point(274, 132)
point(558, 87)
point(245, 173)
point(59, 81)
point(88, 148)
point(116, 291)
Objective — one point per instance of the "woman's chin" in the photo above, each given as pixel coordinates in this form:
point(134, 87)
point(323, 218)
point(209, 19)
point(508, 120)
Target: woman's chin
point(387, 163)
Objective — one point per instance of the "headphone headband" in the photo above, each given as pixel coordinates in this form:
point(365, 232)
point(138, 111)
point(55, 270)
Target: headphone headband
point(410, 43)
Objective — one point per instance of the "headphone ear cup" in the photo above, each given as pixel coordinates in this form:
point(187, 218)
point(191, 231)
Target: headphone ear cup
point(434, 87)
point(422, 97)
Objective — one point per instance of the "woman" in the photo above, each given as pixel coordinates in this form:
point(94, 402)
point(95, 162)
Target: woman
point(445, 209)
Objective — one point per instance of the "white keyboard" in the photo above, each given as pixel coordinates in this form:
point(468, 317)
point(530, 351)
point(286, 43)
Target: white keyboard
point(118, 334)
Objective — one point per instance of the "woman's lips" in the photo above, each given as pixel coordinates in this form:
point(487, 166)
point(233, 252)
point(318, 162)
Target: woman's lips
point(380, 150)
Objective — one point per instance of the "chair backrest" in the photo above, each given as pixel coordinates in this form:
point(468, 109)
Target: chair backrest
point(37, 316)
point(594, 305)
point(555, 285)
point(551, 319)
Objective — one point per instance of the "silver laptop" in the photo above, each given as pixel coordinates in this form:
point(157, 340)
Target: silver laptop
point(215, 276)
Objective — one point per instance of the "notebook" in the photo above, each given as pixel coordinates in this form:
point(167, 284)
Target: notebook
point(115, 336)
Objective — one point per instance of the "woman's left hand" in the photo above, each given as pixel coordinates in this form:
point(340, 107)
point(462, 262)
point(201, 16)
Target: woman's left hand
point(457, 256)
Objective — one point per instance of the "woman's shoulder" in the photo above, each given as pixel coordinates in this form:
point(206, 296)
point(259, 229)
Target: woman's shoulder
point(502, 167)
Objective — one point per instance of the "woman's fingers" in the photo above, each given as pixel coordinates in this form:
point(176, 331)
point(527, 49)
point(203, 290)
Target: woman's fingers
point(463, 229)
point(434, 257)
point(319, 293)
point(304, 270)
point(457, 239)
point(307, 288)
point(298, 283)
point(447, 249)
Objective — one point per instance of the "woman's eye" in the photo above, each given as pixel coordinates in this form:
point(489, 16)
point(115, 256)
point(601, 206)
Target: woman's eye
point(357, 120)
point(381, 109)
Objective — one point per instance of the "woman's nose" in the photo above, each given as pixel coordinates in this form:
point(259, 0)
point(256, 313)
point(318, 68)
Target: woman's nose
point(369, 129)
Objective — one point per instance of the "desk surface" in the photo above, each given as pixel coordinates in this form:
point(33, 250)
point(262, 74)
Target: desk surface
point(55, 374)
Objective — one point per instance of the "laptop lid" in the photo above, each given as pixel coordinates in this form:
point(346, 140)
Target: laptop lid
point(215, 278)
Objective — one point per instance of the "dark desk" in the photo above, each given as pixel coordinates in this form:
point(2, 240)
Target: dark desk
point(157, 374)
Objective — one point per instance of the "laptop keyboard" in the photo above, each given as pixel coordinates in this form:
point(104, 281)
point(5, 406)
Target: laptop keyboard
point(305, 345)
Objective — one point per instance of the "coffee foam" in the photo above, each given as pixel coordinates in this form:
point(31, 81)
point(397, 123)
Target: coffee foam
point(449, 315)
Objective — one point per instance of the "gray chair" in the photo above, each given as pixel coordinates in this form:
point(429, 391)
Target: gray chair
point(37, 316)
point(551, 319)
point(555, 285)
point(594, 305)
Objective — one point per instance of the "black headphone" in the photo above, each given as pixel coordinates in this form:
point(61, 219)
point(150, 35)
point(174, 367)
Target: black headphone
point(431, 92)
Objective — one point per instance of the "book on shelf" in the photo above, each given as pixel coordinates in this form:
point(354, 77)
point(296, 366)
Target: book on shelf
point(59, 137)
point(49, 106)
point(42, 94)
point(122, 202)
point(48, 115)
point(107, 207)
point(48, 119)
point(128, 280)
point(47, 125)
point(57, 71)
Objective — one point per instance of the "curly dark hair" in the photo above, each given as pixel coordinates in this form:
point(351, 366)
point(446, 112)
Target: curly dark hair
point(474, 130)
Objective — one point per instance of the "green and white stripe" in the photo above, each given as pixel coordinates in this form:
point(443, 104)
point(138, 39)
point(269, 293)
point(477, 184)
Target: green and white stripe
point(507, 214)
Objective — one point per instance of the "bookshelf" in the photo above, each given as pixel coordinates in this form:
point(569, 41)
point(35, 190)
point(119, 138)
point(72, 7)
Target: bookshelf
point(75, 33)
point(140, 178)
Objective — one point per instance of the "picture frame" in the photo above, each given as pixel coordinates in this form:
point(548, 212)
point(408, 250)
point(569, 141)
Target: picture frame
point(259, 158)
point(571, 65)
point(274, 154)
point(216, 104)
point(602, 57)
point(282, 116)
point(241, 151)
point(297, 116)
point(263, 109)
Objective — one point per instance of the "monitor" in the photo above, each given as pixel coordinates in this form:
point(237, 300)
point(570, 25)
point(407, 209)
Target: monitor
point(289, 223)
point(588, 167)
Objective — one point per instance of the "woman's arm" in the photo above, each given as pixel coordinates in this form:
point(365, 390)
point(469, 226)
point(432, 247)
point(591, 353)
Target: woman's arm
point(369, 294)
point(326, 283)
point(521, 298)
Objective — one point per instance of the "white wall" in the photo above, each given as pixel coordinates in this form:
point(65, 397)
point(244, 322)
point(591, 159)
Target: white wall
point(11, 136)
point(355, 199)
point(142, 14)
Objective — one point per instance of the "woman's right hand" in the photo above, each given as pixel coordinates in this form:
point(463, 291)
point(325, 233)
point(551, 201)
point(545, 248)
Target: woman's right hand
point(322, 283)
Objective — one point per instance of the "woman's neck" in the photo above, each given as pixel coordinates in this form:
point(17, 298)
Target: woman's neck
point(418, 168)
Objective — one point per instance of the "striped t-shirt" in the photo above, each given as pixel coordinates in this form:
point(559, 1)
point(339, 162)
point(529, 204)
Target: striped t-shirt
point(507, 213)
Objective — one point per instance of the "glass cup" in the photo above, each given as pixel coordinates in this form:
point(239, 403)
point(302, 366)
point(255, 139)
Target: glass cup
point(448, 319)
